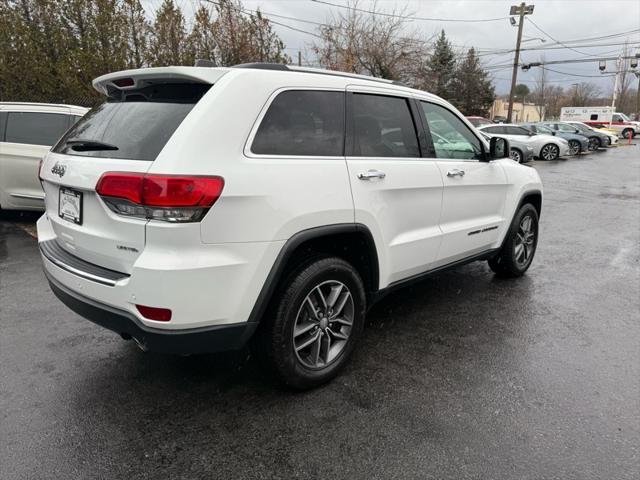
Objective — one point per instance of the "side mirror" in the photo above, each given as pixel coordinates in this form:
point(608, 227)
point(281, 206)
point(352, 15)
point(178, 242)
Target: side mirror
point(498, 148)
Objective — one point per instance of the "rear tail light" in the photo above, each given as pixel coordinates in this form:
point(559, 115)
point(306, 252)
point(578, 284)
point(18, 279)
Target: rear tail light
point(155, 313)
point(171, 198)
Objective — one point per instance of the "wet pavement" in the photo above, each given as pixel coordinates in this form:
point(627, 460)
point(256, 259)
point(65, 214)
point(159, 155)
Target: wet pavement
point(462, 376)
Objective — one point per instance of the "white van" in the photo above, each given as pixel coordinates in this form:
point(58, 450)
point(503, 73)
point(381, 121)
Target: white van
point(27, 132)
point(601, 116)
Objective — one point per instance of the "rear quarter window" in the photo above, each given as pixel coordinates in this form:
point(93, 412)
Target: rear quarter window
point(34, 128)
point(302, 123)
point(135, 124)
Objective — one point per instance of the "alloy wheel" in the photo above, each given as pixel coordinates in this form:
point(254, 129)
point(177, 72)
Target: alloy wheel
point(574, 147)
point(550, 152)
point(593, 144)
point(516, 155)
point(525, 241)
point(323, 324)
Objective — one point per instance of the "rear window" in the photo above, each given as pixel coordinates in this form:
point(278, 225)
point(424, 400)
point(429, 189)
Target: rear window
point(302, 122)
point(34, 128)
point(132, 124)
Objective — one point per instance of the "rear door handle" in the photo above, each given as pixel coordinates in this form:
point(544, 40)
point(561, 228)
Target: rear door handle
point(369, 174)
point(455, 173)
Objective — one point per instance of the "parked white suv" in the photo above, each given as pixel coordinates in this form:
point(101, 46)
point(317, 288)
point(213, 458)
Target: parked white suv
point(27, 131)
point(198, 205)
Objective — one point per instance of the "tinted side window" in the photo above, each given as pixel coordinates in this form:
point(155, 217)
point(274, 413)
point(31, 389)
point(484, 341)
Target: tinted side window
point(495, 129)
point(383, 127)
point(35, 128)
point(516, 131)
point(451, 137)
point(3, 124)
point(594, 116)
point(302, 122)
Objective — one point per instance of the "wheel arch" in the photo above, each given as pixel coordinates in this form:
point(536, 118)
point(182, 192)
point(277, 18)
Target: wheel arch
point(534, 197)
point(351, 241)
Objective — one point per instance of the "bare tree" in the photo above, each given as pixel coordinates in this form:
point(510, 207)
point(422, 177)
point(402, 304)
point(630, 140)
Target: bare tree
point(555, 99)
point(625, 76)
point(583, 94)
point(363, 42)
point(540, 90)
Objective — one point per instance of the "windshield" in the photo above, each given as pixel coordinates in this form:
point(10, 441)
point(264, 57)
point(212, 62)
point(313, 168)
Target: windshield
point(624, 117)
point(132, 124)
point(543, 129)
point(579, 126)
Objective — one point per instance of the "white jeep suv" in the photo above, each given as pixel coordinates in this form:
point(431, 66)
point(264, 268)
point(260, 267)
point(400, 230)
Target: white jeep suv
point(27, 131)
point(199, 207)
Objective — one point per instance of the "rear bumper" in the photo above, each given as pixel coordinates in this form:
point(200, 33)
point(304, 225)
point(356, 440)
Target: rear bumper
point(184, 341)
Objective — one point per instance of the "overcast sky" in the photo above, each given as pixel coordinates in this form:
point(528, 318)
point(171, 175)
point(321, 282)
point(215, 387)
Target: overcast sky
point(561, 19)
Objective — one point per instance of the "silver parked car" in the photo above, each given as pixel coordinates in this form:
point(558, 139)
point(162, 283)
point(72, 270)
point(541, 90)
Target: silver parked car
point(520, 150)
point(545, 147)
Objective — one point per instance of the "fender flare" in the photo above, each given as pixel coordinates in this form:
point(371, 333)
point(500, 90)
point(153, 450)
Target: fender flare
point(279, 265)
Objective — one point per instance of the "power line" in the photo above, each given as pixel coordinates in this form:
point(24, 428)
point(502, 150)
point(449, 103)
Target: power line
point(575, 74)
point(411, 17)
point(555, 39)
point(543, 49)
point(252, 12)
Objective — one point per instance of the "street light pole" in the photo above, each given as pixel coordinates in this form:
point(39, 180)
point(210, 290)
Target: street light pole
point(522, 10)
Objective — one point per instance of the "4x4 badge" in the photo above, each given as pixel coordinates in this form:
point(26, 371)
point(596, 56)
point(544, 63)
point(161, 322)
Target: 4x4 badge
point(59, 169)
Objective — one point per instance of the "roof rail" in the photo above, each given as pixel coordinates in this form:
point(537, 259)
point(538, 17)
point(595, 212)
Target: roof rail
point(263, 66)
point(317, 71)
point(203, 62)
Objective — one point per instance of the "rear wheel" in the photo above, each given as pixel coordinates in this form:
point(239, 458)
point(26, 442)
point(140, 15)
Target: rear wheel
point(550, 152)
point(574, 147)
point(628, 133)
point(316, 322)
point(519, 246)
point(516, 155)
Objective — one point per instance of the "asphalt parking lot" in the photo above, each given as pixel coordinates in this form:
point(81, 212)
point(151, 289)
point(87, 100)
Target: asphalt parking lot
point(460, 376)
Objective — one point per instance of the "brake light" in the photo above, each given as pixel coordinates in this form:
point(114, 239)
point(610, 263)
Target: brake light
point(172, 198)
point(155, 313)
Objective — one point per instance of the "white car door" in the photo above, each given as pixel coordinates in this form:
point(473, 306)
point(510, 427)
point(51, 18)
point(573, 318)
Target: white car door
point(28, 136)
point(474, 189)
point(397, 192)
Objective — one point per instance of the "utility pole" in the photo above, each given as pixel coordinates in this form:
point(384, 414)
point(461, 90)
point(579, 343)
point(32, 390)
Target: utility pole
point(637, 74)
point(619, 65)
point(299, 58)
point(521, 10)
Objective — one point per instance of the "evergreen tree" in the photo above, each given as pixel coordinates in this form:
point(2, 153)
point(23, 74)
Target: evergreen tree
point(137, 31)
point(168, 42)
point(440, 68)
point(474, 91)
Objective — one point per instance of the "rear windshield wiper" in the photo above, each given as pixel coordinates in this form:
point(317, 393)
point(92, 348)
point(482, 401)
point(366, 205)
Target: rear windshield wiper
point(80, 145)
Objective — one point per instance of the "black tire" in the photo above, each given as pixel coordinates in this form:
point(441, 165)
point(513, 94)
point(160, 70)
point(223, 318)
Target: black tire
point(291, 302)
point(574, 147)
point(594, 143)
point(508, 263)
point(628, 132)
point(553, 152)
point(516, 155)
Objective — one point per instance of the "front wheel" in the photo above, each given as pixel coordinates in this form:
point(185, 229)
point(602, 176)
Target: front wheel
point(317, 320)
point(520, 244)
point(628, 133)
point(550, 152)
point(594, 144)
point(516, 155)
point(574, 147)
